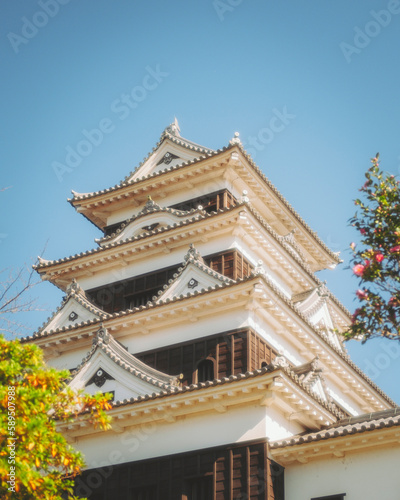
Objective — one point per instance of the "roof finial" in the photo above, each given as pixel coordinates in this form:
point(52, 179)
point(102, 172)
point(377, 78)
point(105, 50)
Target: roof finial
point(259, 269)
point(74, 287)
point(236, 139)
point(102, 335)
point(150, 204)
point(174, 128)
point(193, 254)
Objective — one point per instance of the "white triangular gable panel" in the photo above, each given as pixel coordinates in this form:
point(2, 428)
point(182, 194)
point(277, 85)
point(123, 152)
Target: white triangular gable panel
point(192, 279)
point(125, 384)
point(322, 315)
point(62, 317)
point(318, 389)
point(135, 228)
point(150, 165)
point(323, 319)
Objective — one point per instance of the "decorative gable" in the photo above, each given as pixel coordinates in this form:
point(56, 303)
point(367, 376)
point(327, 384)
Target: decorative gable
point(193, 276)
point(76, 308)
point(289, 240)
point(109, 367)
point(167, 158)
point(151, 217)
point(309, 375)
point(171, 150)
point(314, 305)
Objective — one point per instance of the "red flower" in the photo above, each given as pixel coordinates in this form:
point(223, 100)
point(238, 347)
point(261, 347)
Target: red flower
point(358, 269)
point(362, 231)
point(354, 317)
point(379, 257)
point(395, 249)
point(362, 294)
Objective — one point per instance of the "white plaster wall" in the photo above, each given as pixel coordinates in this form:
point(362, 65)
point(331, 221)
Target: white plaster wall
point(372, 475)
point(253, 257)
point(278, 342)
point(157, 439)
point(69, 359)
point(151, 262)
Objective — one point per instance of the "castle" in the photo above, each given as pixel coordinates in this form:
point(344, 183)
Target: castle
point(200, 311)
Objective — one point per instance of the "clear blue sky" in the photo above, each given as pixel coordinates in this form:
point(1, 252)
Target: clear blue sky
point(221, 67)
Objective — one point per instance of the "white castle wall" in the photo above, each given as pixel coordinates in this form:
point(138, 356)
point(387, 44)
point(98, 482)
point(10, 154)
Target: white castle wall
point(156, 439)
point(362, 476)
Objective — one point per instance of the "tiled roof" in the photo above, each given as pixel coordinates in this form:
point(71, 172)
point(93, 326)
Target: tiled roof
point(84, 196)
point(254, 275)
point(349, 426)
point(46, 263)
point(206, 153)
point(180, 141)
point(117, 353)
point(332, 254)
point(233, 379)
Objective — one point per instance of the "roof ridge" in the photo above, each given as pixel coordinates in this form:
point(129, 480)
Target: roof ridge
point(232, 379)
point(92, 251)
point(337, 430)
point(173, 137)
point(286, 203)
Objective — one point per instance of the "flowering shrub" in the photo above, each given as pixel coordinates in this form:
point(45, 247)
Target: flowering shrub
point(35, 459)
point(376, 259)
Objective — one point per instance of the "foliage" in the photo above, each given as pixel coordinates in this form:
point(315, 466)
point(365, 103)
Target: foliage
point(33, 399)
point(376, 259)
